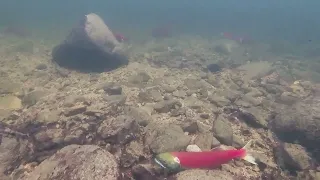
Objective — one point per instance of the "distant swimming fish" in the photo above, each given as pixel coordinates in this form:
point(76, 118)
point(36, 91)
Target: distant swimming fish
point(176, 161)
point(17, 31)
point(227, 35)
point(120, 37)
point(238, 39)
point(162, 31)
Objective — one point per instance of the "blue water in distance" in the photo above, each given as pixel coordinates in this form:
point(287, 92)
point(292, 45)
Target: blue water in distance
point(292, 20)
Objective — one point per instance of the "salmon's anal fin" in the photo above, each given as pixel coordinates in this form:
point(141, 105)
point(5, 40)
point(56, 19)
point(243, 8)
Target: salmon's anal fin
point(248, 157)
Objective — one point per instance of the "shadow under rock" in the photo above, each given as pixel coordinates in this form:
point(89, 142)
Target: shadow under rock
point(86, 60)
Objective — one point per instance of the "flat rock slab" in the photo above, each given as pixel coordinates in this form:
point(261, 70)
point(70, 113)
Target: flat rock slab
point(75, 162)
point(255, 70)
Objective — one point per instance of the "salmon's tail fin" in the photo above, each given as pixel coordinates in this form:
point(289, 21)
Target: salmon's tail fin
point(248, 157)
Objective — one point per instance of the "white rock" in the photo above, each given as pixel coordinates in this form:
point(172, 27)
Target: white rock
point(193, 148)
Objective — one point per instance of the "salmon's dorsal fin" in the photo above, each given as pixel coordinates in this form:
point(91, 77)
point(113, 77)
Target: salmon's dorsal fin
point(248, 157)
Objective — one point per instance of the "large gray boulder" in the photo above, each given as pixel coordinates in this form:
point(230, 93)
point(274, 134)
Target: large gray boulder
point(93, 33)
point(90, 44)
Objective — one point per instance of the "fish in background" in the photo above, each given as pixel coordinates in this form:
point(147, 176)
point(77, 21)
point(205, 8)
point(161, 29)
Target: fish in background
point(16, 30)
point(173, 162)
point(162, 31)
point(239, 39)
point(120, 37)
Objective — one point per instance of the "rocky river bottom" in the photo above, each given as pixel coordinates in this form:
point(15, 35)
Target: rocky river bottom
point(59, 123)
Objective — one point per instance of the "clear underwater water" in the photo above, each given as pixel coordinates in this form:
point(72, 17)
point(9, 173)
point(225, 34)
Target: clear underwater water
point(291, 26)
point(295, 21)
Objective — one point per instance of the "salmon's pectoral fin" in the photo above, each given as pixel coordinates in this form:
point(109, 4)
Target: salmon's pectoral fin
point(248, 157)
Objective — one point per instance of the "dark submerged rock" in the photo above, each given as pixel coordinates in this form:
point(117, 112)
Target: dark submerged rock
point(299, 123)
point(139, 114)
point(112, 88)
point(13, 151)
point(214, 68)
point(86, 60)
point(17, 30)
point(144, 172)
point(162, 32)
point(121, 130)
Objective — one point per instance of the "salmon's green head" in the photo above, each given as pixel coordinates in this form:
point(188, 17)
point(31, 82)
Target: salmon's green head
point(168, 162)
